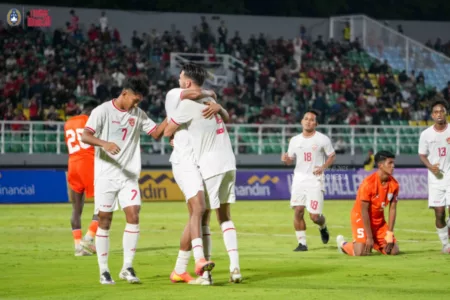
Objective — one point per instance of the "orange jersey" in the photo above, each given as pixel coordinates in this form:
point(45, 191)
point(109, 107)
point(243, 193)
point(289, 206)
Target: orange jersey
point(73, 129)
point(377, 195)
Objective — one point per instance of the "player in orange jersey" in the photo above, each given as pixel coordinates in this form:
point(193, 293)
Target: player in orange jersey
point(80, 176)
point(369, 226)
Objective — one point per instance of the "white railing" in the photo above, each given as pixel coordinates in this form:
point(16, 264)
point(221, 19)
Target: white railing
point(48, 137)
point(401, 52)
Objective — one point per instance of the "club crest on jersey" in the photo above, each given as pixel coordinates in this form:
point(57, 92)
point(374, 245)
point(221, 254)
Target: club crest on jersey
point(448, 140)
point(131, 122)
point(314, 147)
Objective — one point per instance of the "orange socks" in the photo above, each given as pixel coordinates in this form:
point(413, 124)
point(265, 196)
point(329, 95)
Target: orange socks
point(77, 237)
point(348, 249)
point(92, 229)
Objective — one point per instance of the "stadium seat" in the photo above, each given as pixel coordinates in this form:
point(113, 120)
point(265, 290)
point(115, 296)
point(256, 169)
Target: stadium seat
point(38, 148)
point(63, 148)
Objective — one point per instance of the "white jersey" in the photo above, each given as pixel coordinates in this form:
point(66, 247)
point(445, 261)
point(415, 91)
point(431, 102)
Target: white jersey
point(123, 128)
point(209, 138)
point(436, 146)
point(310, 152)
point(182, 151)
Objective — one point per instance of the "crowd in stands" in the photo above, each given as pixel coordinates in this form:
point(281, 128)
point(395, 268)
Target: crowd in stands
point(49, 75)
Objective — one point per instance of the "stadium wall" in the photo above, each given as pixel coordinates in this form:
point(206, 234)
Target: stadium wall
point(33, 185)
point(51, 160)
point(287, 27)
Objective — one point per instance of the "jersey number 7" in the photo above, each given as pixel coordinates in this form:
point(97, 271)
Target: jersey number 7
point(74, 143)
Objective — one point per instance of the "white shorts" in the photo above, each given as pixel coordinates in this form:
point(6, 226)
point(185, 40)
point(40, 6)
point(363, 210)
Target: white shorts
point(438, 196)
point(310, 197)
point(220, 189)
point(109, 193)
point(188, 178)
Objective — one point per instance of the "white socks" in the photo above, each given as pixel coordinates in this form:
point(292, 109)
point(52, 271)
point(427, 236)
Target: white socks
point(443, 235)
point(301, 237)
point(102, 246)
point(230, 240)
point(197, 248)
point(130, 239)
point(182, 261)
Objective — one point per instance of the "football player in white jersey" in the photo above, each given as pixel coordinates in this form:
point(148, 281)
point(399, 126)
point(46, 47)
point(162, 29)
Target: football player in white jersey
point(434, 148)
point(188, 177)
point(313, 153)
point(114, 127)
point(215, 159)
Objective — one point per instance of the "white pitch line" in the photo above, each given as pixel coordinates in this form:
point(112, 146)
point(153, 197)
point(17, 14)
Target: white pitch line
point(239, 233)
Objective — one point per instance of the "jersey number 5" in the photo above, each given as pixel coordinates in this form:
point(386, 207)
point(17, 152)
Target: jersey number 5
point(219, 121)
point(442, 151)
point(74, 143)
point(307, 156)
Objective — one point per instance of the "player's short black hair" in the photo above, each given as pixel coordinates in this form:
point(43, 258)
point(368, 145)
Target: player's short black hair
point(382, 155)
point(439, 102)
point(196, 73)
point(137, 84)
point(314, 112)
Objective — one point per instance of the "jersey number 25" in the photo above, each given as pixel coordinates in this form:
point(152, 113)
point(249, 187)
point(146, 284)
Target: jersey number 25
point(74, 143)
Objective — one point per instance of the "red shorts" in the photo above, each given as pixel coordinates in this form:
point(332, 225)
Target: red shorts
point(378, 232)
point(80, 177)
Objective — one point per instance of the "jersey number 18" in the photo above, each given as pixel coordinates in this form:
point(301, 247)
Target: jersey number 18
point(307, 156)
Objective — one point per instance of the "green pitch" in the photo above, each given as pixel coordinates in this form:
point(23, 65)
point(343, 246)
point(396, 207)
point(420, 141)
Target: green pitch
point(37, 261)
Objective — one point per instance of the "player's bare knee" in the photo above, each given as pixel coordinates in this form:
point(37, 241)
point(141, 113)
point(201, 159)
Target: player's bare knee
point(132, 218)
point(223, 213)
point(104, 220)
point(316, 218)
point(299, 212)
point(132, 214)
point(439, 212)
point(395, 250)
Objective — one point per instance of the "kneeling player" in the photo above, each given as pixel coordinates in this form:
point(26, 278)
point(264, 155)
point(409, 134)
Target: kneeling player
point(369, 226)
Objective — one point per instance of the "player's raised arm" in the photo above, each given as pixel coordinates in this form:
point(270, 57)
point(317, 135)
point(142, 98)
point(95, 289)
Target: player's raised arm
point(94, 125)
point(215, 108)
point(182, 115)
point(197, 94)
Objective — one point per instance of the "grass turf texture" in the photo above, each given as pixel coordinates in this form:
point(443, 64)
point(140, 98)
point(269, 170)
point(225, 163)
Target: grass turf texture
point(36, 256)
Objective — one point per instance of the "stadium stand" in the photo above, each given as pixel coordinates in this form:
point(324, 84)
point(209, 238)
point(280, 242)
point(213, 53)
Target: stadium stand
point(49, 81)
